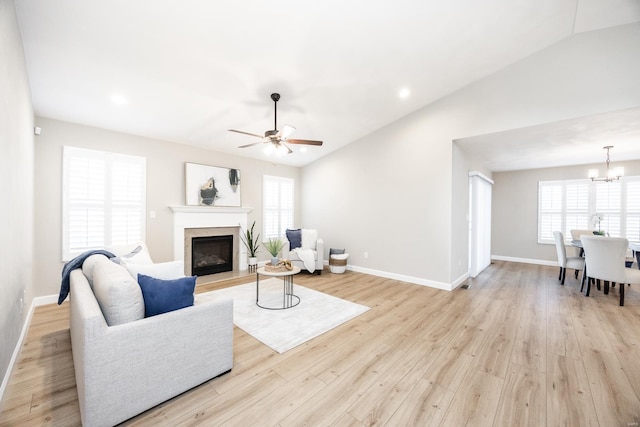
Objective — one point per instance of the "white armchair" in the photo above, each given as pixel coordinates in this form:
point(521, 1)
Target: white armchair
point(296, 257)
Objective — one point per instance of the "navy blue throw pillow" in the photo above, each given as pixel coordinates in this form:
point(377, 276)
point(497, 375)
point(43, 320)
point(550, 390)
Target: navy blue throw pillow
point(162, 296)
point(295, 238)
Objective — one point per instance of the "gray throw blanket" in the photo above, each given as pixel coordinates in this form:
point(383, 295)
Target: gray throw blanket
point(72, 265)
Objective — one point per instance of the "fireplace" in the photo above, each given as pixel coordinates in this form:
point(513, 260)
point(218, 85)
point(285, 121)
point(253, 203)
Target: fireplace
point(218, 250)
point(211, 255)
point(202, 221)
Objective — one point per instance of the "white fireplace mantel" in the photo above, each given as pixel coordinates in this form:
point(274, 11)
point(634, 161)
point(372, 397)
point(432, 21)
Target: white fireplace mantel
point(209, 209)
point(206, 216)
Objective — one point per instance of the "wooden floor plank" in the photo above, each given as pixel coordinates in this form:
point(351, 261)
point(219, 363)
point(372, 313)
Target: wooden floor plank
point(614, 399)
point(515, 348)
point(569, 400)
point(475, 404)
point(523, 401)
point(424, 406)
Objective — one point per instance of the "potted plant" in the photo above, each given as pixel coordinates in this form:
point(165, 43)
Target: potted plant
point(252, 244)
point(274, 246)
point(596, 218)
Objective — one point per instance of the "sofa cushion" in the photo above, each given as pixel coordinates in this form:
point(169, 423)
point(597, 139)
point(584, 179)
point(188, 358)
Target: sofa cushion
point(309, 238)
point(89, 265)
point(295, 238)
point(117, 293)
point(162, 270)
point(161, 296)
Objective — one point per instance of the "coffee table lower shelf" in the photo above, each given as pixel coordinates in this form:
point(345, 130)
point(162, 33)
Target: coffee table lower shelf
point(289, 299)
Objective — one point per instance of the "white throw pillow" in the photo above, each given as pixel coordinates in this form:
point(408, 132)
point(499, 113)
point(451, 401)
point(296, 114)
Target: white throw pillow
point(89, 265)
point(309, 238)
point(137, 253)
point(119, 296)
point(162, 270)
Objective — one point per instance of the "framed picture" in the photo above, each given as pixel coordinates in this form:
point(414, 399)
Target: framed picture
point(211, 185)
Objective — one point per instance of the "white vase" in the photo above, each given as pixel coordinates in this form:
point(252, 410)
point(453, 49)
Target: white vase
point(253, 260)
point(275, 260)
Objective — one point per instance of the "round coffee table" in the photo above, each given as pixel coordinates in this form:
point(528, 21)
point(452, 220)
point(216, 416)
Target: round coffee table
point(288, 298)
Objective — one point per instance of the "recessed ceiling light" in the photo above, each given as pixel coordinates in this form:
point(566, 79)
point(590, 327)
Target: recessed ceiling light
point(118, 99)
point(404, 93)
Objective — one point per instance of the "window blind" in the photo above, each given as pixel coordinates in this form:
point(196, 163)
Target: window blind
point(103, 200)
point(632, 220)
point(571, 204)
point(278, 206)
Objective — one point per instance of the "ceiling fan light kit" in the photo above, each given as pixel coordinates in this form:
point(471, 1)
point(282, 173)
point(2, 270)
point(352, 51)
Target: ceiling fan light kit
point(277, 139)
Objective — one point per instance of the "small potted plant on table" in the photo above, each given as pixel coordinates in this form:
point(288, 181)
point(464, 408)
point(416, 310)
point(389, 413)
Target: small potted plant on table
point(252, 244)
point(274, 246)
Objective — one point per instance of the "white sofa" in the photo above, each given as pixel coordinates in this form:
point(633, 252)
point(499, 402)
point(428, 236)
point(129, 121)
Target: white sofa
point(125, 369)
point(318, 255)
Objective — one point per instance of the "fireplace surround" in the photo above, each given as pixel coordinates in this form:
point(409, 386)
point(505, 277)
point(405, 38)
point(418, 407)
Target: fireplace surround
point(200, 221)
point(212, 234)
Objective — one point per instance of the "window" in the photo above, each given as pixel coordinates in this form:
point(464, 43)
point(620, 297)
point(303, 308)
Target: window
point(569, 205)
point(278, 206)
point(103, 200)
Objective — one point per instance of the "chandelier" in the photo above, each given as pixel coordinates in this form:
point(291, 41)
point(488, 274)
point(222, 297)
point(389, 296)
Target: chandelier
point(611, 174)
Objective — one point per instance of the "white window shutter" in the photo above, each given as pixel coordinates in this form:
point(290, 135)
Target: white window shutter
point(569, 205)
point(633, 210)
point(103, 200)
point(550, 202)
point(577, 207)
point(278, 206)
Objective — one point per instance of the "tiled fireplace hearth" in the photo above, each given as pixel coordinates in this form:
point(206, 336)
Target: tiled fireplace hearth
point(200, 221)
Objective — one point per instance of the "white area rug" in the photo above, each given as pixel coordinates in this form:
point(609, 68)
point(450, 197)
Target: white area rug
point(283, 330)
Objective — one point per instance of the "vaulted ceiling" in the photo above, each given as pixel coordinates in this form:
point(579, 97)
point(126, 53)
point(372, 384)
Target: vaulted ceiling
point(193, 69)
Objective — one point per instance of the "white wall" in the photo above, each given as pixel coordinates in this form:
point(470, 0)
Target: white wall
point(165, 187)
point(16, 185)
point(515, 209)
point(399, 193)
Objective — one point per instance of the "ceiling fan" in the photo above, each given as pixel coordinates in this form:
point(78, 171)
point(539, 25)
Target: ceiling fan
point(279, 138)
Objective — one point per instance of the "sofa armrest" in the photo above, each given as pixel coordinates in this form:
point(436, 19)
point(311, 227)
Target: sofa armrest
point(320, 249)
point(126, 369)
point(286, 248)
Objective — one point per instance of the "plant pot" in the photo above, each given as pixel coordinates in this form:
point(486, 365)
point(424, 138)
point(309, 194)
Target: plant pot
point(253, 260)
point(275, 260)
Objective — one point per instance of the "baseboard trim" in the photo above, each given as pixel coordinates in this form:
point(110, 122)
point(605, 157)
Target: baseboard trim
point(525, 260)
point(402, 278)
point(37, 301)
point(459, 281)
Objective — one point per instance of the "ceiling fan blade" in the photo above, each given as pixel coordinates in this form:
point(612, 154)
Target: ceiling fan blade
point(304, 141)
point(250, 145)
point(285, 131)
point(246, 133)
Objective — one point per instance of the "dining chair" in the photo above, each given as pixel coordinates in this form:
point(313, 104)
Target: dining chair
point(604, 257)
point(577, 234)
point(574, 262)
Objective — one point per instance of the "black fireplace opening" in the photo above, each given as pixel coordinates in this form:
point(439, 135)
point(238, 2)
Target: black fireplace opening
point(211, 255)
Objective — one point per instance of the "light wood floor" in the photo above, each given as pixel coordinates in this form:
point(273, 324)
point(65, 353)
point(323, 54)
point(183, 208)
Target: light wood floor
point(515, 349)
